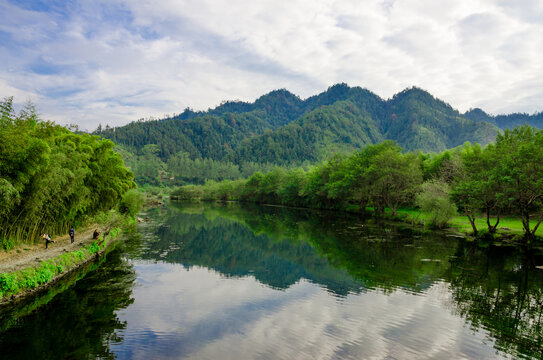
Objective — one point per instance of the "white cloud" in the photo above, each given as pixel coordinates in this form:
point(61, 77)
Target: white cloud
point(240, 318)
point(115, 61)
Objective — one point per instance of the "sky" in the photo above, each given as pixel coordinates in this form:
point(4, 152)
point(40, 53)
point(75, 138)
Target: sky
point(115, 61)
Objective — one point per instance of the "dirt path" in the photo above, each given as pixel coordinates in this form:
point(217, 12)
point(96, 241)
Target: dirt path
point(31, 255)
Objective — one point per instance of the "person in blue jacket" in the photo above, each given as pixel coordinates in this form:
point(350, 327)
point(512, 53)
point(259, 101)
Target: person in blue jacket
point(72, 234)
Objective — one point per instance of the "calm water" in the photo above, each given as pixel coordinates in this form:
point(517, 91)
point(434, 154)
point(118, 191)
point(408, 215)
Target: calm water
point(226, 282)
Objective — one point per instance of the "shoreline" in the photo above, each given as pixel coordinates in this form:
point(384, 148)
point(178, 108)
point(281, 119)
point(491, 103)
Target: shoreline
point(504, 236)
point(27, 278)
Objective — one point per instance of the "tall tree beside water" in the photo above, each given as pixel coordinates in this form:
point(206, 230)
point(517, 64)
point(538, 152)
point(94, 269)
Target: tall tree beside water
point(505, 177)
point(51, 178)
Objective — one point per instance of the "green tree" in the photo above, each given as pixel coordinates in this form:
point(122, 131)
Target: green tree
point(132, 202)
point(467, 189)
point(393, 177)
point(291, 192)
point(51, 178)
point(520, 165)
point(434, 199)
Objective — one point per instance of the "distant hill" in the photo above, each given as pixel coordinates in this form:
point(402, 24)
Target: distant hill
point(506, 121)
point(281, 128)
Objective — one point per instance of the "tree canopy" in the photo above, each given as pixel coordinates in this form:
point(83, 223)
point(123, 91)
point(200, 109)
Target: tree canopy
point(51, 178)
point(504, 178)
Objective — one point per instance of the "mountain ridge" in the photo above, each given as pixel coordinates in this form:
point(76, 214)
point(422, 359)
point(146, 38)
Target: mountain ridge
point(279, 127)
point(504, 121)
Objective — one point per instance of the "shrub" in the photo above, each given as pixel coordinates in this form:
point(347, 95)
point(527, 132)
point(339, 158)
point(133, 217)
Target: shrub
point(132, 202)
point(435, 200)
point(8, 284)
point(94, 248)
point(188, 192)
point(7, 244)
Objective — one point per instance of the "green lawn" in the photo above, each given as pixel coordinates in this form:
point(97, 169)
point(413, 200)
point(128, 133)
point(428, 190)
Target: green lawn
point(507, 224)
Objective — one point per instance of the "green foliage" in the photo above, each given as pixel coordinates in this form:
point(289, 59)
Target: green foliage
point(7, 244)
point(236, 139)
point(519, 171)
point(509, 121)
point(434, 199)
point(94, 248)
point(379, 174)
point(187, 192)
point(8, 284)
point(394, 178)
point(504, 177)
point(291, 191)
point(132, 202)
point(51, 178)
point(338, 128)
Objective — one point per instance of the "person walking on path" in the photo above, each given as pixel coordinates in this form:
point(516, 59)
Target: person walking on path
point(72, 234)
point(47, 239)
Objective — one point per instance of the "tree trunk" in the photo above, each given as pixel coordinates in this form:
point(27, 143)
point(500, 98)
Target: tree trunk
point(526, 224)
point(471, 219)
point(535, 228)
point(492, 228)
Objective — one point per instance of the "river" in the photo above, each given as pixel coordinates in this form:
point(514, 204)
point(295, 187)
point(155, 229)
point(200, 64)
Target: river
point(230, 282)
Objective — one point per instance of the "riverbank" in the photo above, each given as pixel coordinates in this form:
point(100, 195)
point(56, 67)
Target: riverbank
point(509, 228)
point(30, 269)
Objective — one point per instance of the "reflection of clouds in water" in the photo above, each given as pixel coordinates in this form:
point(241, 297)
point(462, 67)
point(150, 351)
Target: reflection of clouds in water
point(198, 314)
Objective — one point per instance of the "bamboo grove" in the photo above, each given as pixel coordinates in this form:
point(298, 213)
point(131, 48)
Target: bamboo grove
point(51, 178)
point(503, 178)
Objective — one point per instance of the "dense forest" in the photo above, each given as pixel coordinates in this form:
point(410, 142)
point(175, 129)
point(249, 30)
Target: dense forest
point(506, 121)
point(502, 178)
point(281, 129)
point(51, 178)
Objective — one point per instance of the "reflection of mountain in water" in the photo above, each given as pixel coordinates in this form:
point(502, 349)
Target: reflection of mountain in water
point(280, 246)
point(234, 250)
point(498, 289)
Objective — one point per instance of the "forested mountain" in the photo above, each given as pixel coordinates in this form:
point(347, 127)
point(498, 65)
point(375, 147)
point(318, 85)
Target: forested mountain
point(341, 127)
point(280, 128)
point(506, 121)
point(418, 121)
point(276, 108)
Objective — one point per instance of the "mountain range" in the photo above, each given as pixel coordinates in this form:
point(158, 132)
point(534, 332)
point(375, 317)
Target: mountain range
point(281, 128)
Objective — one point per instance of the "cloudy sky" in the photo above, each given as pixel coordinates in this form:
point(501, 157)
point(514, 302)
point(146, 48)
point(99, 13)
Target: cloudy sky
point(239, 318)
point(113, 61)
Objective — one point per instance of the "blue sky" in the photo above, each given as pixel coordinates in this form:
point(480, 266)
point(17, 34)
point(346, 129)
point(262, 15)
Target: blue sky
point(115, 61)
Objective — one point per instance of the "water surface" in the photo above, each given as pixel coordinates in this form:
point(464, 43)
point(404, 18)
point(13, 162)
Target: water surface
point(231, 282)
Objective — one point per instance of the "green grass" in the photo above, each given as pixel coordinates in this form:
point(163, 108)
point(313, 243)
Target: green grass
point(16, 312)
point(32, 277)
point(510, 225)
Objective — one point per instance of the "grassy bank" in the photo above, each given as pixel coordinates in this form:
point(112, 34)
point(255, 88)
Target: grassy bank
point(11, 312)
point(27, 280)
point(507, 225)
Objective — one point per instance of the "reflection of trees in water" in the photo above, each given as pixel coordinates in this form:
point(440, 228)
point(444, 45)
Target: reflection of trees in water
point(234, 250)
point(279, 246)
point(494, 288)
point(78, 323)
point(500, 290)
